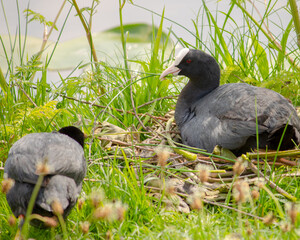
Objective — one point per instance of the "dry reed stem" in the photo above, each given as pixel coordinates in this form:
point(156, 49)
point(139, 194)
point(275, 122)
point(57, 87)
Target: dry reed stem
point(272, 184)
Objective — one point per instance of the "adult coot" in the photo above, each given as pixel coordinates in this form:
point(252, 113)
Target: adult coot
point(208, 114)
point(63, 152)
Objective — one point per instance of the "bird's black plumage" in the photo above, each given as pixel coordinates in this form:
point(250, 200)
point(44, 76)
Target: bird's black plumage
point(208, 114)
point(63, 152)
point(73, 132)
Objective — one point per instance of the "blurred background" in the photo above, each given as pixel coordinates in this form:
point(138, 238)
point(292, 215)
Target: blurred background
point(107, 15)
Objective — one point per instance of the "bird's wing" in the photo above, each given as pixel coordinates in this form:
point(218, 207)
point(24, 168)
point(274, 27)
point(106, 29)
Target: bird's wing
point(208, 132)
point(232, 113)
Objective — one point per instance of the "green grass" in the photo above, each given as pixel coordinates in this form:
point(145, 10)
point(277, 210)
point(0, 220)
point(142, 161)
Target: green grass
point(121, 92)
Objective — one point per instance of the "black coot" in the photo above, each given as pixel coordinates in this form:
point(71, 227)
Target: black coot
point(208, 114)
point(63, 153)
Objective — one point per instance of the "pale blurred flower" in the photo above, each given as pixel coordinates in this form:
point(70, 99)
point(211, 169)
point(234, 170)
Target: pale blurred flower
point(241, 191)
point(7, 184)
point(163, 155)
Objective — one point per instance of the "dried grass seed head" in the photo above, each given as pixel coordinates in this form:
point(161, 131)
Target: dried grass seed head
point(84, 227)
point(285, 227)
point(255, 194)
point(239, 166)
point(96, 197)
point(260, 182)
point(12, 220)
point(111, 212)
point(292, 210)
point(80, 203)
point(172, 185)
point(121, 210)
point(163, 154)
point(196, 200)
point(203, 172)
point(42, 168)
point(57, 207)
point(108, 235)
point(106, 213)
point(249, 231)
point(269, 219)
point(50, 222)
point(170, 189)
point(241, 191)
point(197, 204)
point(7, 184)
point(233, 236)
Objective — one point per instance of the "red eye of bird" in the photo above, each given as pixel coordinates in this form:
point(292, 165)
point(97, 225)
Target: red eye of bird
point(188, 61)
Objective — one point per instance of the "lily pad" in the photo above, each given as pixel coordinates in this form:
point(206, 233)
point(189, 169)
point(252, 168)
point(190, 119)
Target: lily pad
point(69, 54)
point(33, 46)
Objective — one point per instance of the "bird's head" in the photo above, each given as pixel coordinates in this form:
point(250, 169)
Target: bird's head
point(73, 132)
point(200, 67)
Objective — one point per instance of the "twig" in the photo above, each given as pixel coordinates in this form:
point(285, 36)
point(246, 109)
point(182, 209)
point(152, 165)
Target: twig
point(47, 34)
point(88, 34)
point(190, 175)
point(116, 109)
point(155, 100)
point(87, 102)
point(215, 159)
point(287, 162)
point(187, 163)
point(271, 184)
point(29, 98)
point(233, 209)
point(278, 164)
point(212, 203)
point(156, 117)
point(118, 142)
point(287, 153)
point(291, 174)
point(229, 179)
point(92, 180)
point(135, 113)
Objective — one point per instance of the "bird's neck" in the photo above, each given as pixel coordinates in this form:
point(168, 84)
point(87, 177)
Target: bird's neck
point(194, 90)
point(189, 95)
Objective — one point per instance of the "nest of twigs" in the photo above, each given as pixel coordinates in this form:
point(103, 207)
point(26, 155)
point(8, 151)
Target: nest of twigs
point(175, 174)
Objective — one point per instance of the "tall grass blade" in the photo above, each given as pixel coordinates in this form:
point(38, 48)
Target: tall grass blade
point(88, 33)
point(154, 59)
point(3, 83)
point(284, 41)
point(224, 52)
point(261, 59)
point(296, 19)
point(253, 20)
point(123, 39)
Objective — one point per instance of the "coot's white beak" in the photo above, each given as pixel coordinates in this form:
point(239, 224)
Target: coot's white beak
point(173, 69)
point(170, 70)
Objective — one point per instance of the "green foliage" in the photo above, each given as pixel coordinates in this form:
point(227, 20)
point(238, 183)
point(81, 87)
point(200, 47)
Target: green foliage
point(251, 52)
point(34, 16)
point(3, 83)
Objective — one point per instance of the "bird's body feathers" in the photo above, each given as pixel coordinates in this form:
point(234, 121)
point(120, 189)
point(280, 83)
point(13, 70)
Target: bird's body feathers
point(64, 158)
